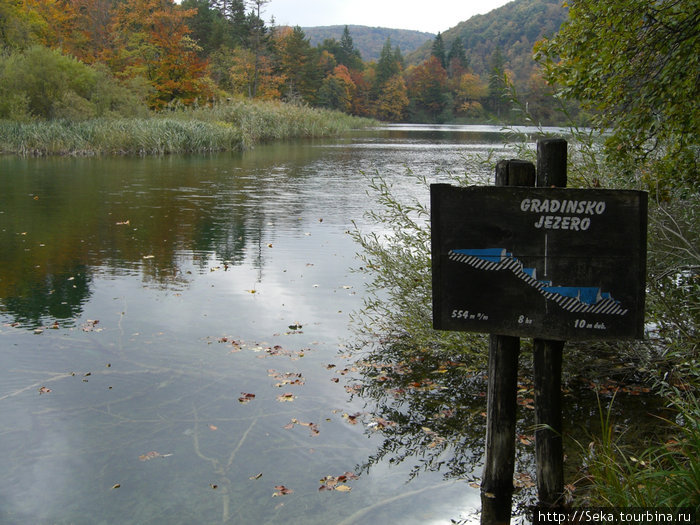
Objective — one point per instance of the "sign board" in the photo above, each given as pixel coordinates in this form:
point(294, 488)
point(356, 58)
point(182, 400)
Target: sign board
point(552, 263)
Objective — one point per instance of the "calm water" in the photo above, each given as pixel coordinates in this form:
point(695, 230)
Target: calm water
point(174, 332)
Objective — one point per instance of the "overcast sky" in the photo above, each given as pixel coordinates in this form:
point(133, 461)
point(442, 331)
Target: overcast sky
point(431, 16)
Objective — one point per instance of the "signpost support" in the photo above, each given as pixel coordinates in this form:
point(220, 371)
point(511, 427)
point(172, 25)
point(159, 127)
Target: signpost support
point(497, 480)
point(547, 360)
point(531, 258)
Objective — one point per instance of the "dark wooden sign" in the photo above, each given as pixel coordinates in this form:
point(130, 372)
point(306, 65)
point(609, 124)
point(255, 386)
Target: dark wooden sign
point(553, 263)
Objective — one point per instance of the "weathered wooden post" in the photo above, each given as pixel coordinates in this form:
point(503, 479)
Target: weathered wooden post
point(547, 359)
point(497, 480)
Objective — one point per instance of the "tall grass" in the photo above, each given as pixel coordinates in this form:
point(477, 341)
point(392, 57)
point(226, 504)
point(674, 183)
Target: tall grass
point(232, 126)
point(663, 475)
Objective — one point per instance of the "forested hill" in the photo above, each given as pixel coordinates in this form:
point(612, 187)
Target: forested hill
point(369, 40)
point(513, 29)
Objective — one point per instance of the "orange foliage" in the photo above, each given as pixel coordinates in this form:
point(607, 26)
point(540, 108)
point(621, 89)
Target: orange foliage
point(151, 39)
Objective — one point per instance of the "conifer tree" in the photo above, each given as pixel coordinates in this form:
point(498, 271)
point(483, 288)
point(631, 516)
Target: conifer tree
point(438, 50)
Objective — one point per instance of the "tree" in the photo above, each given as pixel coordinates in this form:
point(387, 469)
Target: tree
point(427, 86)
point(44, 83)
point(496, 99)
point(348, 54)
point(19, 27)
point(393, 99)
point(151, 39)
point(243, 75)
point(388, 64)
point(438, 50)
point(258, 37)
point(457, 61)
point(337, 90)
point(470, 92)
point(635, 63)
point(298, 65)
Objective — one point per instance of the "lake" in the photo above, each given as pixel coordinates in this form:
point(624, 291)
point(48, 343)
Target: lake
point(175, 336)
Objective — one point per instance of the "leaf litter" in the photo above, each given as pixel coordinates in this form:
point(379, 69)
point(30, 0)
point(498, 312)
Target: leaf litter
point(337, 482)
point(313, 427)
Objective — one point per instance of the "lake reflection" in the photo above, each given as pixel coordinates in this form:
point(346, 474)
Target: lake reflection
point(173, 341)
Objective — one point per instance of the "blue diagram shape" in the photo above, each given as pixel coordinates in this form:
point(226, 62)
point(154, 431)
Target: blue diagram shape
point(575, 299)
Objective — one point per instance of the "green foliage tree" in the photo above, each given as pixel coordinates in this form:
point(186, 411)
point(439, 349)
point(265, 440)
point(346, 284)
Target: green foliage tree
point(438, 50)
point(19, 28)
point(457, 61)
point(299, 66)
point(635, 63)
point(347, 53)
point(497, 100)
point(45, 84)
point(388, 64)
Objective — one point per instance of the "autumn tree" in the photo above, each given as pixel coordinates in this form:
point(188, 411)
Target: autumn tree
point(427, 87)
point(362, 96)
point(58, 22)
point(337, 90)
point(393, 100)
point(243, 75)
point(152, 40)
point(471, 91)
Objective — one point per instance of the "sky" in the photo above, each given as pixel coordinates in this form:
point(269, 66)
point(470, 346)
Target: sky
point(432, 17)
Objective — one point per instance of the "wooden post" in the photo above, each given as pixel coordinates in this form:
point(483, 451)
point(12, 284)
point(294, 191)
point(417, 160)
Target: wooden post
point(497, 480)
point(547, 360)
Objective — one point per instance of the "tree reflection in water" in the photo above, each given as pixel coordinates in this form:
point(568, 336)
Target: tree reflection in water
point(430, 408)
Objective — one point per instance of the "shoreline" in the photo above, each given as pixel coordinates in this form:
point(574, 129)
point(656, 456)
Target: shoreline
point(233, 126)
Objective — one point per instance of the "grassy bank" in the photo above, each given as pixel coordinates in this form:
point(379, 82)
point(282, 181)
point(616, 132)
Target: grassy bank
point(235, 125)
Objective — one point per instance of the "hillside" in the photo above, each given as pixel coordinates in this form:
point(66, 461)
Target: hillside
point(369, 40)
point(514, 28)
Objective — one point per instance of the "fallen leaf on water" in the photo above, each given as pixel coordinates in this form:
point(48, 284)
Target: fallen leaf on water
point(44, 390)
point(288, 378)
point(523, 480)
point(152, 454)
point(245, 398)
point(281, 490)
point(337, 482)
point(352, 418)
point(286, 397)
point(313, 427)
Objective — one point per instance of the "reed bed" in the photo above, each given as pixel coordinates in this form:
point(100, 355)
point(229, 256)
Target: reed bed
point(232, 126)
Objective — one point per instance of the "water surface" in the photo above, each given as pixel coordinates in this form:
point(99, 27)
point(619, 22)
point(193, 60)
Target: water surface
point(174, 340)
